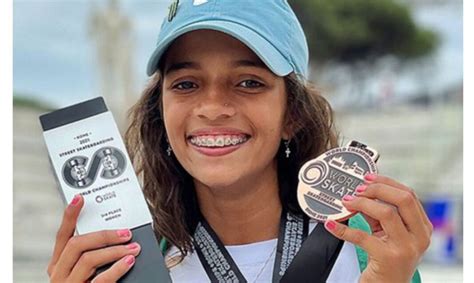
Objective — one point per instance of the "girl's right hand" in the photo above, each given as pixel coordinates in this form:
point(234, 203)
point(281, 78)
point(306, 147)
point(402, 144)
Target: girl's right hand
point(76, 258)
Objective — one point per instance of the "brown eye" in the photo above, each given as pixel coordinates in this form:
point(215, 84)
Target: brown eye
point(184, 85)
point(250, 84)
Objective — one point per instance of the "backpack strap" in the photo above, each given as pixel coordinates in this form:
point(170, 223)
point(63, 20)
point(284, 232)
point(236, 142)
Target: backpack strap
point(359, 222)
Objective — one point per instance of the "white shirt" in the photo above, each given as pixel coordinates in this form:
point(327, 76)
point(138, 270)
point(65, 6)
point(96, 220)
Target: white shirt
point(256, 262)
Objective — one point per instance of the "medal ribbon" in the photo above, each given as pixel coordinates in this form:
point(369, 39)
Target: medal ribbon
point(219, 265)
point(293, 231)
point(317, 256)
point(312, 264)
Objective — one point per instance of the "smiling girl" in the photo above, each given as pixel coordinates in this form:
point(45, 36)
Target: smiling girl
point(218, 138)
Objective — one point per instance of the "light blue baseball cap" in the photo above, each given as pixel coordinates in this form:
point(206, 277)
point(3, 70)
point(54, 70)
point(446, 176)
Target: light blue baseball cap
point(269, 28)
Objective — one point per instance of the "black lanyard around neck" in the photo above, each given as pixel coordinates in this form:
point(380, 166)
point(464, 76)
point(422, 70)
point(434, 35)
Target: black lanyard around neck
point(318, 259)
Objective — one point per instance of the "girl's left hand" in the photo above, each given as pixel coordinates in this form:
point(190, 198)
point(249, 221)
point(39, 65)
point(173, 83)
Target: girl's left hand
point(401, 230)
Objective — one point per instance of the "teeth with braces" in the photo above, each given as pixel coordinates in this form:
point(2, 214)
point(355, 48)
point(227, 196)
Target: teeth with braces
point(217, 141)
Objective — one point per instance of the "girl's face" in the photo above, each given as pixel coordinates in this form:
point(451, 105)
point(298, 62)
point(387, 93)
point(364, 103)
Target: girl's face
point(223, 109)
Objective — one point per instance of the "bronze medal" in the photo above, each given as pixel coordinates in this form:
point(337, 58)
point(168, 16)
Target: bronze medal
point(325, 180)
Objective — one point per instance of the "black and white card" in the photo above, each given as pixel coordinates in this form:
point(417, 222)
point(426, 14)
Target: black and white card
point(90, 158)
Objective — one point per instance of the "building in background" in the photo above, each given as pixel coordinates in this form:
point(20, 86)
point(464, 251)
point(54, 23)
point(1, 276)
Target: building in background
point(37, 204)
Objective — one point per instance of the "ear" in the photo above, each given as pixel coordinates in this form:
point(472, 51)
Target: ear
point(290, 126)
point(290, 130)
point(287, 131)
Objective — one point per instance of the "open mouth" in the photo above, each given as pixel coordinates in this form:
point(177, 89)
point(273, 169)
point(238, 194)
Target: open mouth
point(218, 145)
point(218, 141)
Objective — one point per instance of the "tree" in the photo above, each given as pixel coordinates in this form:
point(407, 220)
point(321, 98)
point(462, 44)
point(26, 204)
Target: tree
point(357, 33)
point(352, 30)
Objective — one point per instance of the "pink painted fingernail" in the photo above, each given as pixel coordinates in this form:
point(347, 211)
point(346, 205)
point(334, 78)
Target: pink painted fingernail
point(370, 177)
point(133, 246)
point(348, 198)
point(125, 233)
point(130, 260)
point(330, 224)
point(361, 188)
point(75, 200)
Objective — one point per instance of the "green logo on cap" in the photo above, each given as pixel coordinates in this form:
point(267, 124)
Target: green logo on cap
point(172, 10)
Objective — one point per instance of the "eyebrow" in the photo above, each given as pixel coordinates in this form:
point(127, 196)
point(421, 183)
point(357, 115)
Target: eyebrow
point(193, 65)
point(249, 63)
point(182, 65)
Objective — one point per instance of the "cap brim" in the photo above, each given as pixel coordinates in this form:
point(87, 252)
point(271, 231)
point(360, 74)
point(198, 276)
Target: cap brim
point(274, 60)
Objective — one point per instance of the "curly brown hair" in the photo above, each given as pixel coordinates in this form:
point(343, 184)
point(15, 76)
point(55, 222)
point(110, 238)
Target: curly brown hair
point(169, 189)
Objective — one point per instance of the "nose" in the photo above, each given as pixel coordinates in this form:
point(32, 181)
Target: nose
point(215, 104)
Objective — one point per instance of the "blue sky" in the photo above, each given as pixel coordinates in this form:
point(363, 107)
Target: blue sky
point(53, 57)
point(447, 21)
